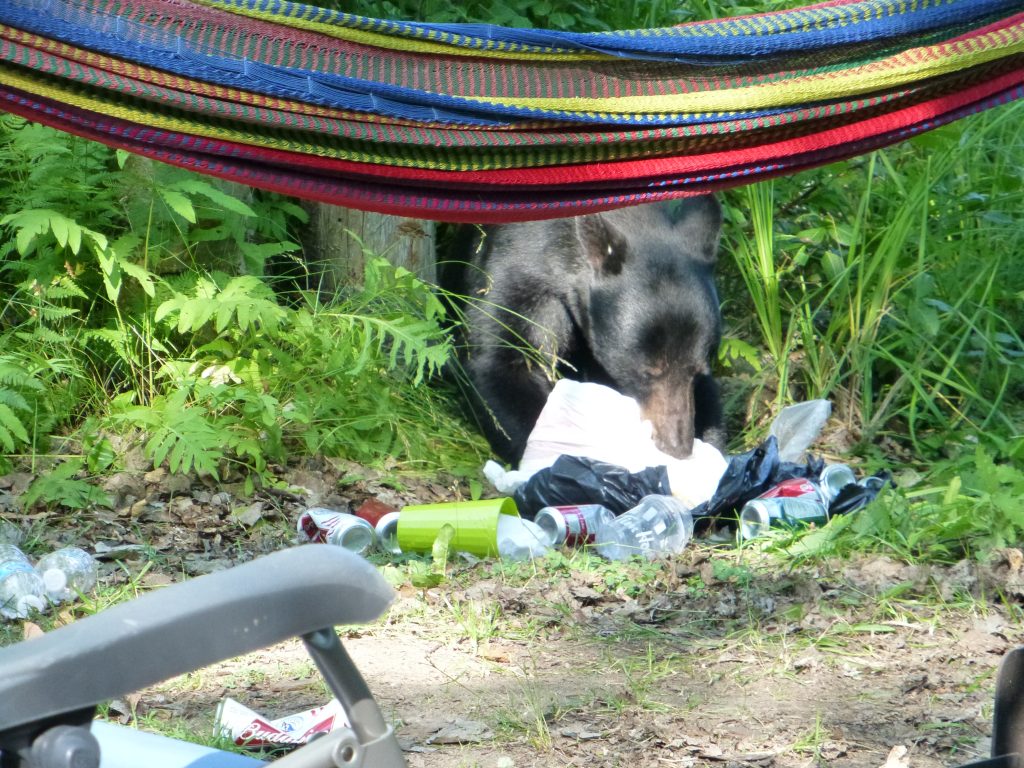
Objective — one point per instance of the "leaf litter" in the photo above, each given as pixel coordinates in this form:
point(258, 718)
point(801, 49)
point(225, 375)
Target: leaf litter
point(715, 657)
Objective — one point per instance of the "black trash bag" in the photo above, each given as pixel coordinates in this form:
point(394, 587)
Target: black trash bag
point(750, 474)
point(578, 480)
point(853, 496)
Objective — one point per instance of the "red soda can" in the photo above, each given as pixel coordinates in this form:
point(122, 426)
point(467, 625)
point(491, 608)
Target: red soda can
point(794, 488)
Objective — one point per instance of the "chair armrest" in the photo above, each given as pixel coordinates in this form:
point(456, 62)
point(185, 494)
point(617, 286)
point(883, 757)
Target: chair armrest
point(187, 626)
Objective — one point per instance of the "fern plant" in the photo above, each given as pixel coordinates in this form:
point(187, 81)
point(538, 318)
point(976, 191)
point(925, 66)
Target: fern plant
point(251, 381)
point(18, 390)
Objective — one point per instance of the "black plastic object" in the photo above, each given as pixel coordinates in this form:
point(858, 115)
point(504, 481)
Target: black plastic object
point(752, 473)
point(578, 480)
point(1007, 715)
point(853, 496)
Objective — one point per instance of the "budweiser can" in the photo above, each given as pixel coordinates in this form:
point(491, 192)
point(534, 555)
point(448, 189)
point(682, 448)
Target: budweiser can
point(572, 526)
point(338, 528)
point(791, 503)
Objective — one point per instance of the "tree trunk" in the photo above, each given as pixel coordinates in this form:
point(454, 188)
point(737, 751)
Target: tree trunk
point(338, 241)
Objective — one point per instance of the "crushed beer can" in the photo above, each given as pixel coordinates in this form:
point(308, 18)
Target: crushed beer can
point(835, 477)
point(340, 528)
point(247, 728)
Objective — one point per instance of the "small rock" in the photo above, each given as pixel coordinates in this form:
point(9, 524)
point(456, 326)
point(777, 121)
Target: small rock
point(462, 732)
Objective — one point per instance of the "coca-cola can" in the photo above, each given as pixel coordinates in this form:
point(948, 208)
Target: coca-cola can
point(794, 488)
point(573, 525)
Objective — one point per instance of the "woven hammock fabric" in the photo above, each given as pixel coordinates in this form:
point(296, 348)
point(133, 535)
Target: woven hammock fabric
point(487, 124)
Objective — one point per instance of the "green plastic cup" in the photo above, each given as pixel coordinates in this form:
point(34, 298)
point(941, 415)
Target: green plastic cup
point(475, 524)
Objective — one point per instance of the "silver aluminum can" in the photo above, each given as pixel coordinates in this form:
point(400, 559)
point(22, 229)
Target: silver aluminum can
point(834, 478)
point(758, 515)
point(387, 533)
point(572, 525)
point(351, 532)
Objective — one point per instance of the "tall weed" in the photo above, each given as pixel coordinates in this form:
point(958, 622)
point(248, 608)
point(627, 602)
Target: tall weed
point(892, 285)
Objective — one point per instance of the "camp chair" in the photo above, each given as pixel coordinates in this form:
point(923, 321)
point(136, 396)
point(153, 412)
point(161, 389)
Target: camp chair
point(1007, 716)
point(50, 686)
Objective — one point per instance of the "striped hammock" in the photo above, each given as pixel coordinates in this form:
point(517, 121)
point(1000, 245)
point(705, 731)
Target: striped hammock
point(470, 122)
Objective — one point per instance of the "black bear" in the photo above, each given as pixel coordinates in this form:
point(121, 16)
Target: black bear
point(624, 298)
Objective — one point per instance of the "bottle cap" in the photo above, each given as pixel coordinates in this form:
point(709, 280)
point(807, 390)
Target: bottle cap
point(29, 602)
point(55, 581)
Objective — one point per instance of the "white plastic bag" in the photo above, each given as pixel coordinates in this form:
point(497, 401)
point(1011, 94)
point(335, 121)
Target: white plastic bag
point(596, 422)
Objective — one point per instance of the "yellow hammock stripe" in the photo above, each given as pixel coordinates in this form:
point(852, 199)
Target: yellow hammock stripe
point(902, 69)
point(403, 44)
point(204, 127)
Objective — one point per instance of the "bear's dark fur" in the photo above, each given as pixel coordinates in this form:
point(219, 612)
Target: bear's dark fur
point(624, 298)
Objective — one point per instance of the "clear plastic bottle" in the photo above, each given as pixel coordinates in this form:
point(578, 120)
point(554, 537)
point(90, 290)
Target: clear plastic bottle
point(67, 572)
point(658, 525)
point(21, 588)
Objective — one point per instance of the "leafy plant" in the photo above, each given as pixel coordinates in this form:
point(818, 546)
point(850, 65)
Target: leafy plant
point(62, 485)
point(251, 380)
point(963, 508)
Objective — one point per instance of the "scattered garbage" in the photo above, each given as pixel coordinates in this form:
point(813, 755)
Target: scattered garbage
point(749, 475)
point(57, 577)
point(591, 475)
point(21, 588)
point(67, 572)
point(327, 526)
point(579, 480)
point(572, 525)
point(247, 728)
point(803, 501)
point(658, 525)
point(592, 421)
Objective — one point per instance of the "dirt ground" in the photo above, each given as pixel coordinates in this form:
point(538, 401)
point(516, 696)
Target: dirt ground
point(718, 657)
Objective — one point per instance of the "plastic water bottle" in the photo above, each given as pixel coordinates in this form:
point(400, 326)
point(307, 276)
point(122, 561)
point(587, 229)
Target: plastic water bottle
point(66, 573)
point(21, 588)
point(658, 525)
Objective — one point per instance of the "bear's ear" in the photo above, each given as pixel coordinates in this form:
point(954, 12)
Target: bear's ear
point(604, 246)
point(698, 224)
